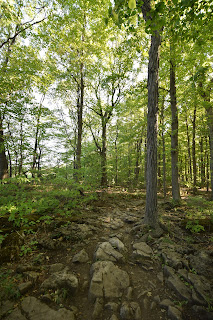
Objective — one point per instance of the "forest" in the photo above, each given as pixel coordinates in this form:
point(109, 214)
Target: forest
point(105, 104)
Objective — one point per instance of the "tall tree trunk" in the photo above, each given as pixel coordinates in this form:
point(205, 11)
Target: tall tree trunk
point(189, 150)
point(209, 111)
point(202, 163)
point(151, 217)
point(137, 162)
point(80, 105)
point(3, 158)
point(103, 156)
point(116, 157)
point(21, 150)
point(174, 133)
point(194, 151)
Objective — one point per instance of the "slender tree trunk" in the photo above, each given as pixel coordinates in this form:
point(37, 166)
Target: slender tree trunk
point(80, 125)
point(137, 162)
point(174, 133)
point(103, 156)
point(21, 150)
point(209, 111)
point(194, 151)
point(116, 158)
point(202, 163)
point(189, 150)
point(3, 158)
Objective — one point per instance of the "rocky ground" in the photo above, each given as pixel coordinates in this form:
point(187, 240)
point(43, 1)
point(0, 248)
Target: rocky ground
point(107, 265)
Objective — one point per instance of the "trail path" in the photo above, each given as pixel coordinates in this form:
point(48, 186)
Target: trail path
point(107, 266)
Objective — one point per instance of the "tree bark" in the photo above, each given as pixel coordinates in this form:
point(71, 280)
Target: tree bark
point(194, 151)
point(189, 151)
point(174, 133)
point(3, 158)
point(80, 105)
point(151, 170)
point(103, 156)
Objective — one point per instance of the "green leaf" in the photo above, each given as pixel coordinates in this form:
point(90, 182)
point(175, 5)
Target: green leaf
point(132, 4)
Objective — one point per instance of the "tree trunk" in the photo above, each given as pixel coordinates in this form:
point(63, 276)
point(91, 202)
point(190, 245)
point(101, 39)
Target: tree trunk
point(209, 112)
point(174, 133)
point(202, 163)
point(137, 162)
point(151, 217)
point(3, 158)
point(103, 156)
point(80, 125)
point(189, 151)
point(194, 152)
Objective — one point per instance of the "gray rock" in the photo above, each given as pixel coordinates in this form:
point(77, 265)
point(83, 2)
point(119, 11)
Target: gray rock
point(81, 257)
point(98, 308)
point(37, 310)
point(129, 293)
point(107, 280)
point(143, 249)
point(5, 307)
point(172, 259)
point(202, 263)
point(105, 252)
point(174, 313)
point(16, 315)
point(111, 306)
point(201, 285)
point(56, 267)
point(24, 287)
point(168, 271)
point(118, 244)
point(180, 289)
point(62, 279)
point(113, 317)
point(130, 311)
point(183, 273)
point(166, 303)
point(203, 313)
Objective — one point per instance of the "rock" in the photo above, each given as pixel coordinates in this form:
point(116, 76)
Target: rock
point(105, 252)
point(203, 313)
point(166, 303)
point(172, 259)
point(56, 267)
point(180, 289)
point(143, 249)
point(168, 272)
point(5, 307)
point(36, 310)
point(108, 281)
point(113, 317)
point(116, 243)
point(201, 263)
point(183, 273)
point(201, 286)
point(16, 315)
point(98, 308)
point(160, 276)
point(129, 293)
point(81, 257)
point(130, 311)
point(62, 279)
point(24, 287)
point(174, 313)
point(111, 306)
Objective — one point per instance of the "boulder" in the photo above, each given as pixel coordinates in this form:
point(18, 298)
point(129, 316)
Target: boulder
point(63, 279)
point(106, 252)
point(36, 310)
point(108, 281)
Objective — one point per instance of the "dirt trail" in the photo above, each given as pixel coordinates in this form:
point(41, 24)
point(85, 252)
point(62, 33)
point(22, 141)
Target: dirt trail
point(106, 265)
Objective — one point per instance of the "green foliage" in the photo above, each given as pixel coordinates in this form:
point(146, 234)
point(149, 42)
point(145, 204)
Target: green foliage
point(8, 285)
point(194, 226)
point(28, 248)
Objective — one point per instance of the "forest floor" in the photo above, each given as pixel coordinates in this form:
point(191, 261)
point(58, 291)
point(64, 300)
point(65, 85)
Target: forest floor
point(103, 263)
